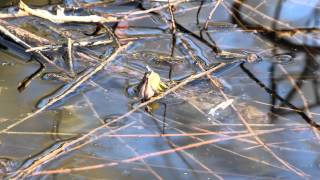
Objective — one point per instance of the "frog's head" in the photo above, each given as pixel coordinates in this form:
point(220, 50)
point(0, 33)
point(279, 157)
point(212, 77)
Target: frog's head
point(145, 89)
point(150, 84)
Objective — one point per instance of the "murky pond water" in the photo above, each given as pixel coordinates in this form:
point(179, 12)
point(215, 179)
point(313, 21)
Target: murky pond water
point(277, 96)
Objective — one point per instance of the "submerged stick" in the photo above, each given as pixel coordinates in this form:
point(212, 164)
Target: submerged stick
point(7, 32)
point(26, 81)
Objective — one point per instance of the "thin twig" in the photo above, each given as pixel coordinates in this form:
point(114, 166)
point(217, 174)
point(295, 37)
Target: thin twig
point(151, 170)
point(70, 59)
point(303, 98)
point(75, 44)
point(30, 170)
point(75, 84)
point(40, 161)
point(149, 155)
point(211, 14)
point(65, 19)
point(248, 127)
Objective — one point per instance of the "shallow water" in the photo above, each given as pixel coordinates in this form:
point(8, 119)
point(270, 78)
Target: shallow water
point(184, 111)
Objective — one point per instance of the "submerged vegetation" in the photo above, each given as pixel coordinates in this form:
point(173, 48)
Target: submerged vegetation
point(159, 89)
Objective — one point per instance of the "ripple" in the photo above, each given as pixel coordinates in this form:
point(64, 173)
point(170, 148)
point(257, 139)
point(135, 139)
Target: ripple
point(283, 58)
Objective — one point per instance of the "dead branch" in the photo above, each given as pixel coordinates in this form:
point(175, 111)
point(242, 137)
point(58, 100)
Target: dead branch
point(21, 36)
point(75, 44)
point(61, 18)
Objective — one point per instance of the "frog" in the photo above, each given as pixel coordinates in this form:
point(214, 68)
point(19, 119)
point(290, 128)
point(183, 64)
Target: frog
point(150, 85)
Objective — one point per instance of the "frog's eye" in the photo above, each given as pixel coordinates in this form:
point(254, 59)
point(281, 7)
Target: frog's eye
point(147, 74)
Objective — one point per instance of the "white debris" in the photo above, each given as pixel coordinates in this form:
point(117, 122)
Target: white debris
point(222, 106)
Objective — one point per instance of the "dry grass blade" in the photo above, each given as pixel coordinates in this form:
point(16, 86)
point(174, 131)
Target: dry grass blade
point(29, 170)
point(263, 134)
point(149, 155)
point(130, 148)
point(303, 98)
point(214, 83)
point(23, 173)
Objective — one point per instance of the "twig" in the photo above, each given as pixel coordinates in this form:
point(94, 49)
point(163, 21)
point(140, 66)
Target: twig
point(13, 15)
point(111, 33)
point(22, 85)
point(26, 81)
point(40, 161)
point(120, 138)
point(96, 130)
point(176, 134)
point(286, 164)
point(75, 44)
point(173, 32)
point(65, 19)
point(17, 34)
point(154, 9)
point(219, 147)
point(215, 80)
point(303, 98)
point(148, 155)
point(270, 91)
point(21, 36)
point(173, 21)
point(70, 59)
point(24, 44)
point(73, 86)
point(211, 14)
point(198, 12)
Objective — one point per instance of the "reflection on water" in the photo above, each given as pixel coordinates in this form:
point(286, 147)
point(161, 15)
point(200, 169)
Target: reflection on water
point(277, 93)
